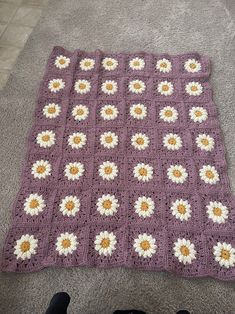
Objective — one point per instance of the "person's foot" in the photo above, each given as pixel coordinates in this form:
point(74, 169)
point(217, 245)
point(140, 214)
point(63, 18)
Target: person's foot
point(58, 303)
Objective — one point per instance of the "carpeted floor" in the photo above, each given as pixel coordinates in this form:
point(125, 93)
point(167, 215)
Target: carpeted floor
point(206, 26)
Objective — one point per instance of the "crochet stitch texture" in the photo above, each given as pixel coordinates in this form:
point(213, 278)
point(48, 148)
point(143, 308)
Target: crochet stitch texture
point(125, 166)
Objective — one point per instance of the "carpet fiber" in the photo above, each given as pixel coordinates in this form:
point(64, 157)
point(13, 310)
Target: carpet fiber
point(158, 26)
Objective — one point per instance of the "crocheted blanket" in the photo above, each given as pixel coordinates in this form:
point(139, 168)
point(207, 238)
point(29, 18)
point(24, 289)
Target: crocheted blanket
point(125, 166)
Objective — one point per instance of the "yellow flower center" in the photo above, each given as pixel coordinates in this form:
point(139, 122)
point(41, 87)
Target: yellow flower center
point(194, 88)
point(217, 211)
point(136, 63)
point(109, 139)
point(77, 139)
point(163, 65)
point(177, 173)
point(66, 243)
point(140, 141)
point(41, 169)
point(51, 110)
point(184, 250)
point(62, 61)
point(56, 84)
point(225, 254)
point(181, 209)
point(144, 206)
point(34, 204)
point(165, 88)
point(74, 170)
point(109, 63)
point(105, 243)
point(205, 141)
point(82, 86)
point(198, 113)
point(107, 204)
point(87, 63)
point(138, 110)
point(46, 138)
point(25, 246)
point(168, 113)
point(80, 112)
point(209, 174)
point(145, 245)
point(137, 86)
point(69, 205)
point(109, 111)
point(143, 172)
point(192, 66)
point(108, 170)
point(109, 86)
point(172, 141)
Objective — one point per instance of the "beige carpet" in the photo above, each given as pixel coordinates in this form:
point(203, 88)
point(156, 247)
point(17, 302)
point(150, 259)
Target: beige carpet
point(206, 26)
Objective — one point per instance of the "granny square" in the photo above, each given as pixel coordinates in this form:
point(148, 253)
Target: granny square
point(125, 166)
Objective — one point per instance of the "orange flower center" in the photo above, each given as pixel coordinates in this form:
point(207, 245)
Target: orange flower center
point(74, 170)
point(194, 88)
point(109, 63)
point(165, 88)
point(192, 66)
point(181, 209)
point(51, 110)
point(41, 169)
point(34, 204)
point(136, 63)
point(46, 138)
point(87, 63)
point(184, 250)
point(105, 243)
point(80, 112)
point(225, 254)
point(177, 173)
point(205, 141)
point(107, 204)
point(56, 84)
point(140, 141)
point(70, 205)
point(108, 170)
point(217, 211)
point(144, 206)
point(172, 141)
point(145, 245)
point(25, 246)
point(82, 85)
point(77, 139)
point(137, 86)
point(109, 86)
point(143, 172)
point(168, 113)
point(109, 111)
point(163, 65)
point(66, 243)
point(209, 174)
point(62, 61)
point(138, 110)
point(108, 139)
point(198, 113)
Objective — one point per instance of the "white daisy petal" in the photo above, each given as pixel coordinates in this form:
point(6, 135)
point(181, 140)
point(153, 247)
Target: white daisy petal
point(209, 174)
point(217, 212)
point(136, 86)
point(168, 114)
point(143, 172)
point(109, 87)
point(165, 88)
point(87, 64)
point(74, 170)
point(140, 141)
point(41, 169)
point(34, 204)
point(177, 174)
point(107, 205)
point(109, 64)
point(145, 245)
point(198, 114)
point(46, 139)
point(69, 205)
point(144, 206)
point(109, 112)
point(82, 86)
point(66, 243)
point(205, 142)
point(138, 111)
point(62, 62)
point(80, 112)
point(51, 111)
point(181, 209)
point(108, 170)
point(137, 64)
point(56, 85)
point(192, 66)
point(109, 139)
point(105, 243)
point(172, 141)
point(185, 251)
point(164, 65)
point(224, 254)
point(77, 140)
point(25, 247)
point(194, 88)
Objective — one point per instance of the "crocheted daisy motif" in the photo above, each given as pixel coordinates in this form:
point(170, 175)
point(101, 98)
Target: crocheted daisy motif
point(125, 166)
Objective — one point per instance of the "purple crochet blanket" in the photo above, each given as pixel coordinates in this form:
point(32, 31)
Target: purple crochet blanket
point(125, 166)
